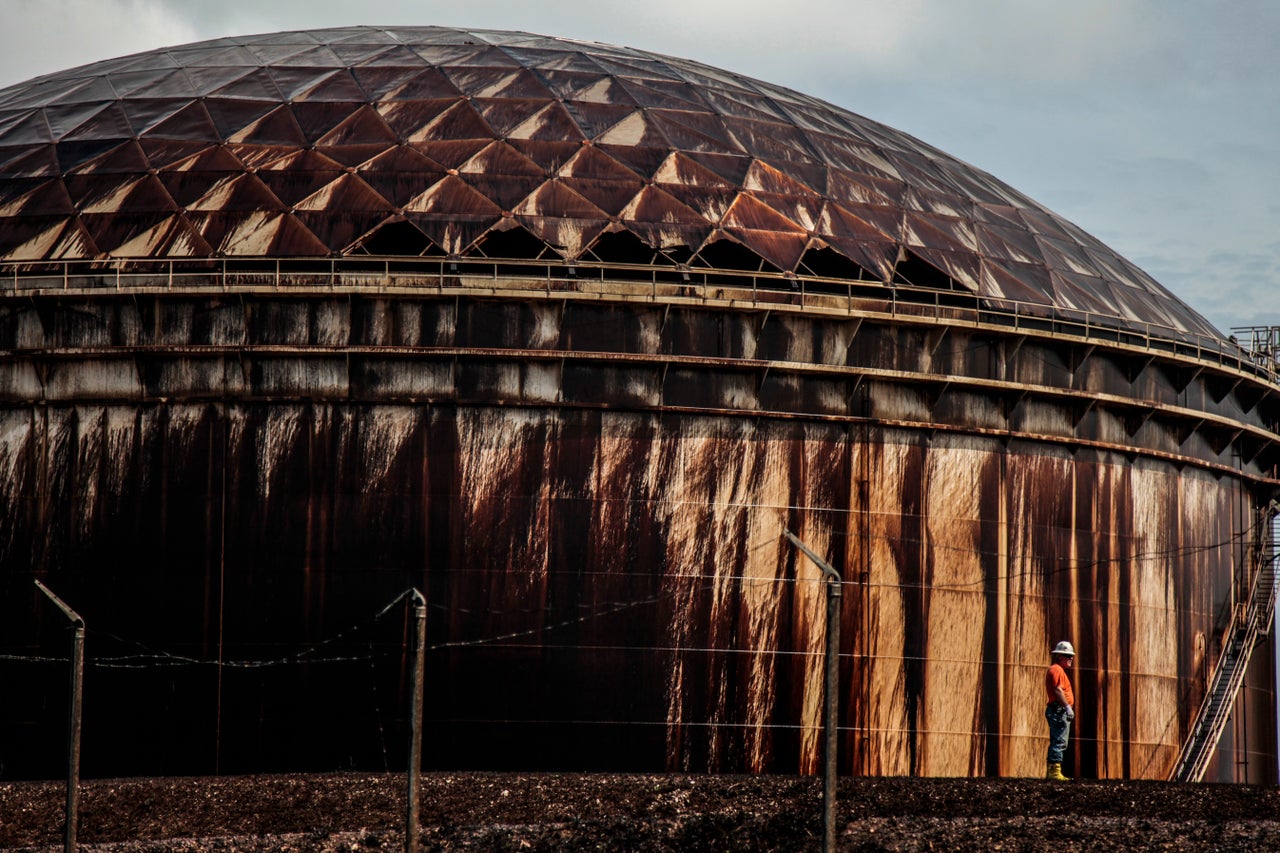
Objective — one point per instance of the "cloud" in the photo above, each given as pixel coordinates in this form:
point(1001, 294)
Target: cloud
point(44, 36)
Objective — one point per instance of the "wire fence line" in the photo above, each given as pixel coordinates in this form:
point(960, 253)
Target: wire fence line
point(320, 653)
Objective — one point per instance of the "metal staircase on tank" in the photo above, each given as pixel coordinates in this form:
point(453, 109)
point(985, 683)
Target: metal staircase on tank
point(1250, 623)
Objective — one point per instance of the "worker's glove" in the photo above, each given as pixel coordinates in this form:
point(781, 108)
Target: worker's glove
point(1068, 713)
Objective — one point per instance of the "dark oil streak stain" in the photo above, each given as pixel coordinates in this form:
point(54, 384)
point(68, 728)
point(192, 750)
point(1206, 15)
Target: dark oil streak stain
point(909, 558)
point(985, 757)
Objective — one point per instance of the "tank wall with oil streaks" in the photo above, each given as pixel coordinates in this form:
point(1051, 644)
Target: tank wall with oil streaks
point(593, 495)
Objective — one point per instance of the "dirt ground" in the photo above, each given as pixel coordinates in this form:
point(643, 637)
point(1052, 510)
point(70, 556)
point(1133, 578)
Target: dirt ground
point(354, 813)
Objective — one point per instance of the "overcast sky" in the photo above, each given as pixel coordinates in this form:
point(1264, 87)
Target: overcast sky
point(1152, 124)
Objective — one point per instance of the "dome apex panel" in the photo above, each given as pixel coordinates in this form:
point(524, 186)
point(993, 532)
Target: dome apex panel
point(574, 139)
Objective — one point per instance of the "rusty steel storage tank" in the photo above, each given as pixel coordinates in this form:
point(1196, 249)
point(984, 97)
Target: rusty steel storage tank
point(567, 336)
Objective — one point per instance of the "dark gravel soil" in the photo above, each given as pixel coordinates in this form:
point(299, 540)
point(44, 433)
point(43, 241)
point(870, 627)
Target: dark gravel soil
point(352, 813)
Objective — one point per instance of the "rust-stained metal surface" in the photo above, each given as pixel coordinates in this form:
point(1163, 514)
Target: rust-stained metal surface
point(434, 141)
point(230, 467)
point(592, 494)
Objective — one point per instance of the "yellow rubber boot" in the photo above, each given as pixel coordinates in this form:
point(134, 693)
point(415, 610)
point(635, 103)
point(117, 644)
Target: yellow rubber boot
point(1054, 773)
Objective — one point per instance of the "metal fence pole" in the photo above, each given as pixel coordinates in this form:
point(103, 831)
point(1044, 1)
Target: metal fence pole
point(73, 722)
point(415, 736)
point(831, 700)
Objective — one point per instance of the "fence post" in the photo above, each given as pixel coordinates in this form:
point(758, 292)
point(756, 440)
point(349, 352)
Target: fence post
point(831, 700)
point(415, 736)
point(73, 723)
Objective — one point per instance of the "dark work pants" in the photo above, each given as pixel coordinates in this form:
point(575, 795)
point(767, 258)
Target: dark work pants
point(1059, 730)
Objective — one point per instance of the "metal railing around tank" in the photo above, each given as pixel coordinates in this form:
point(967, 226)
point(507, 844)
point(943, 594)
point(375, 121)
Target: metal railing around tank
point(557, 278)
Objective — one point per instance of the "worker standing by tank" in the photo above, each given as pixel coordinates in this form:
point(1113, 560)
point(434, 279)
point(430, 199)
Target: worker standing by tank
point(1061, 707)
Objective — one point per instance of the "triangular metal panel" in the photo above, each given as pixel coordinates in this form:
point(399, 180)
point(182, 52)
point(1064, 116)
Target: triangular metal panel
point(504, 115)
point(347, 194)
point(91, 90)
point(164, 83)
point(62, 120)
point(654, 205)
point(363, 127)
point(635, 131)
point(393, 57)
point(664, 94)
point(113, 229)
point(74, 243)
point(464, 55)
point(555, 199)
point(128, 157)
point(853, 190)
point(452, 194)
point(256, 85)
point(770, 141)
point(781, 250)
point(295, 81)
point(963, 268)
point(551, 123)
point(170, 238)
point(877, 257)
point(643, 161)
point(36, 198)
point(451, 153)
point(29, 161)
point(592, 163)
point(192, 123)
point(505, 191)
point(74, 152)
point(206, 81)
point(243, 192)
point(711, 203)
point(750, 213)
point(685, 133)
point(452, 233)
point(226, 54)
point(207, 159)
point(946, 205)
point(25, 127)
point(763, 177)
point(30, 238)
point(503, 83)
point(567, 235)
point(880, 225)
point(743, 103)
point(318, 118)
point(499, 158)
point(459, 121)
point(1022, 283)
point(803, 210)
point(595, 119)
point(278, 54)
point(1081, 292)
point(550, 155)
point(1067, 257)
point(611, 196)
point(277, 129)
point(680, 169)
point(163, 154)
point(1006, 243)
point(408, 117)
point(922, 229)
point(341, 231)
point(145, 113)
point(854, 158)
point(298, 175)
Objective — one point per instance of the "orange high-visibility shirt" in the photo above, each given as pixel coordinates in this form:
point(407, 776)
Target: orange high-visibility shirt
point(1057, 677)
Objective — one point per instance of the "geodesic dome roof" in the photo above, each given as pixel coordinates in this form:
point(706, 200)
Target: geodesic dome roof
point(434, 141)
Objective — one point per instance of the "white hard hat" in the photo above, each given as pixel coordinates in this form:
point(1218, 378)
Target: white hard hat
point(1064, 648)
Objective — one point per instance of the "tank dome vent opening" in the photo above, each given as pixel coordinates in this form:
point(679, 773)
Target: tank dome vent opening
point(400, 239)
point(914, 271)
